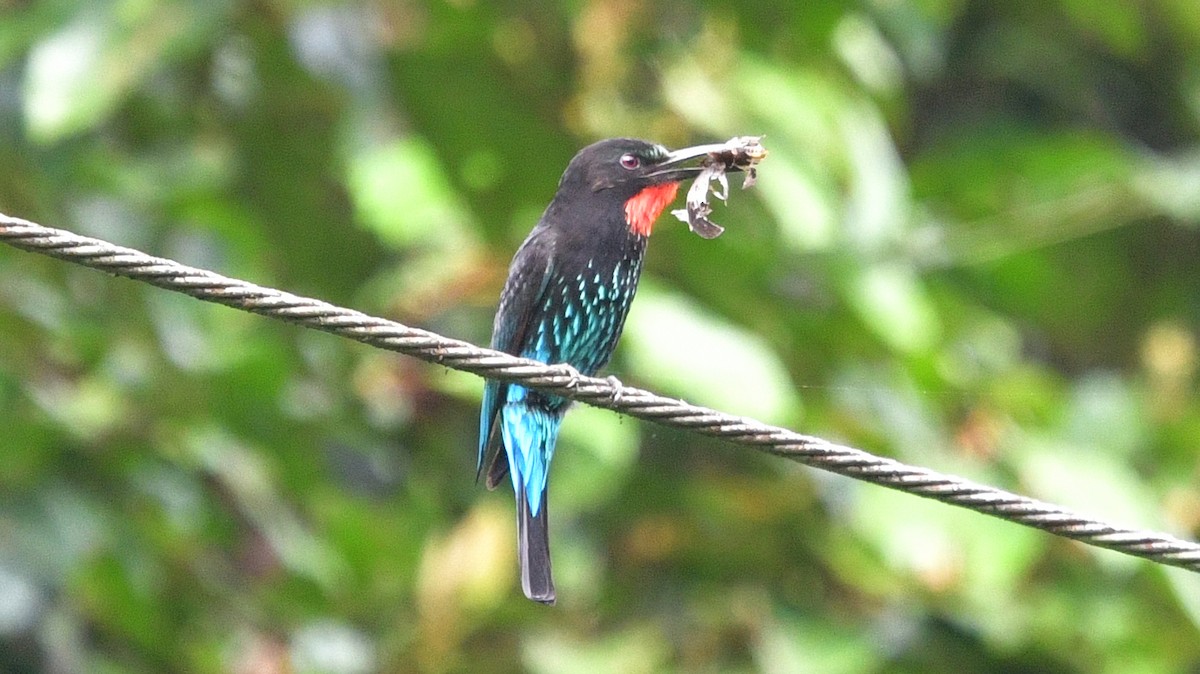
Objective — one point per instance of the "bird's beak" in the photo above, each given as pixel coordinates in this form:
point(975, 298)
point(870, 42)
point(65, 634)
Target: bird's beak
point(673, 167)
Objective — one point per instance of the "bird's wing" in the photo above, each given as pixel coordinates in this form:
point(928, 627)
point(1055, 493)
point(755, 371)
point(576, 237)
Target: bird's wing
point(523, 293)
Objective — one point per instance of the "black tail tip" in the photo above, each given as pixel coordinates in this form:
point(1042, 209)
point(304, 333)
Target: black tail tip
point(544, 598)
point(533, 550)
point(538, 585)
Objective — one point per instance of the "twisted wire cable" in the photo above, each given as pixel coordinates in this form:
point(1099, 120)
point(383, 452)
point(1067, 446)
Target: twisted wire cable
point(608, 393)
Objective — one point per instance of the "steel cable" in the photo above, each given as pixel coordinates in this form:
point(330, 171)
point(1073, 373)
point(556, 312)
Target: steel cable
point(606, 393)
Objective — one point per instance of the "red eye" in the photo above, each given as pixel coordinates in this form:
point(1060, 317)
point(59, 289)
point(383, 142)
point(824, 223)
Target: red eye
point(630, 161)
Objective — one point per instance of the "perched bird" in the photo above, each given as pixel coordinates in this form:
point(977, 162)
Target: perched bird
point(568, 291)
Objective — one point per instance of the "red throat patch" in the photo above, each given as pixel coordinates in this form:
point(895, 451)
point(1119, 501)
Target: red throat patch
point(643, 208)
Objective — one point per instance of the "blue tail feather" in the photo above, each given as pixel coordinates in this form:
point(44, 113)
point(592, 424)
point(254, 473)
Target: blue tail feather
point(487, 417)
point(530, 433)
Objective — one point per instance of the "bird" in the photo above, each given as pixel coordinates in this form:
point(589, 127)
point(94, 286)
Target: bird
point(568, 291)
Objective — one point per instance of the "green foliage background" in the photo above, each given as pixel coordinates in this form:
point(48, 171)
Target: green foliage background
point(974, 247)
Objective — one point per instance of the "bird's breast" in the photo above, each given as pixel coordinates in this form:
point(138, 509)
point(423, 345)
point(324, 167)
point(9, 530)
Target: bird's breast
point(585, 312)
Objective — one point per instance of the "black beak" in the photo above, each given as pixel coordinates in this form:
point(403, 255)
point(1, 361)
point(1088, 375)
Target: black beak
point(672, 168)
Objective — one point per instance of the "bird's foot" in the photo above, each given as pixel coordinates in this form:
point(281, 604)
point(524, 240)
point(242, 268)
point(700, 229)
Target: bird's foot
point(616, 386)
point(575, 375)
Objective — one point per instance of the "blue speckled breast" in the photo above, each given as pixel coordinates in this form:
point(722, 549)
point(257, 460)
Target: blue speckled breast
point(583, 316)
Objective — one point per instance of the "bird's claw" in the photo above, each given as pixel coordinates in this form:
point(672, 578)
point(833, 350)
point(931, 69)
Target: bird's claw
point(575, 375)
point(617, 386)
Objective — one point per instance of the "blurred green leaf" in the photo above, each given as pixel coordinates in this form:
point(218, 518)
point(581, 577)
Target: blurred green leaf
point(672, 344)
point(66, 94)
point(890, 300)
point(637, 649)
point(403, 195)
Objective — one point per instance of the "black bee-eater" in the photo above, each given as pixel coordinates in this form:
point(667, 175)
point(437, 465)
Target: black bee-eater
point(568, 291)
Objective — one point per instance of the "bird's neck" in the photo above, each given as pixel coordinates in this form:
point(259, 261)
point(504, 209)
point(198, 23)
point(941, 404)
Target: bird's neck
point(643, 208)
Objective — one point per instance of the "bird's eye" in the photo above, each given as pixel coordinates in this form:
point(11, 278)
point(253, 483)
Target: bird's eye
point(630, 161)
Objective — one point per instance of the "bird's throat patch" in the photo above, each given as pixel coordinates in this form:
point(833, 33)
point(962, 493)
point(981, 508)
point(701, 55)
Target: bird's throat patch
point(643, 208)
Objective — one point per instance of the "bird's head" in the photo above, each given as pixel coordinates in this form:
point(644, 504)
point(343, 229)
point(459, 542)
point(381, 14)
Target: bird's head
point(639, 177)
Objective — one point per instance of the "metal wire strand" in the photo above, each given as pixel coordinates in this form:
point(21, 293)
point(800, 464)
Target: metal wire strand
point(606, 393)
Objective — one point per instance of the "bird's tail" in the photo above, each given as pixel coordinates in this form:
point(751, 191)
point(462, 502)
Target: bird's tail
point(530, 433)
point(533, 548)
